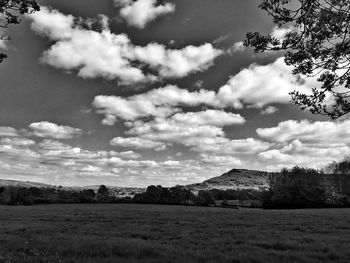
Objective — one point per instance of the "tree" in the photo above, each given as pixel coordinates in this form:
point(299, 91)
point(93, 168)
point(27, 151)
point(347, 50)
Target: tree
point(86, 196)
point(297, 187)
point(10, 12)
point(317, 44)
point(176, 195)
point(339, 172)
point(205, 198)
point(102, 193)
point(342, 167)
point(16, 196)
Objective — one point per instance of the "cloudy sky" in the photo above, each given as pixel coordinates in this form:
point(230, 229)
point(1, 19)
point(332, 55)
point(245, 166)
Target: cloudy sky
point(141, 92)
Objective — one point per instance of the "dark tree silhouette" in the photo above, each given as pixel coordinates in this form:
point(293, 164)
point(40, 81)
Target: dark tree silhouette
point(341, 167)
point(86, 196)
point(103, 193)
point(10, 13)
point(317, 45)
point(176, 195)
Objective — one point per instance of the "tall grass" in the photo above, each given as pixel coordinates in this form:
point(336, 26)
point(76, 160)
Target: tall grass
point(150, 233)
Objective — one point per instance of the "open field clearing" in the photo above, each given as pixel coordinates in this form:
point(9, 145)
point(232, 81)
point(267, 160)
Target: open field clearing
point(150, 233)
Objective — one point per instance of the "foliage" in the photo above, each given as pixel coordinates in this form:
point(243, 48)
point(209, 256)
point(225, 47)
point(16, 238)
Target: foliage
point(170, 196)
point(16, 196)
point(299, 187)
point(87, 196)
point(303, 187)
point(13, 195)
point(10, 12)
point(205, 198)
point(339, 173)
point(241, 194)
point(317, 44)
point(102, 193)
point(342, 167)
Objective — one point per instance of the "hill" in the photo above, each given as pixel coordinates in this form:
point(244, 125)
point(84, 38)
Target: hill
point(115, 190)
point(27, 184)
point(235, 179)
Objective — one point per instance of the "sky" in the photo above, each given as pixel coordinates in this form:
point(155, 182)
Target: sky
point(134, 93)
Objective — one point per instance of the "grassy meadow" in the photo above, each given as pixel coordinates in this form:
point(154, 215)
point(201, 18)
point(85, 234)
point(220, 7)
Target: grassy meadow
point(155, 233)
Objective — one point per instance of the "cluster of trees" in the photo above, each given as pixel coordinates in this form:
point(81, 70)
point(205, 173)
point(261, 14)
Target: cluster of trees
point(241, 194)
point(14, 195)
point(302, 188)
point(168, 196)
point(342, 167)
point(179, 195)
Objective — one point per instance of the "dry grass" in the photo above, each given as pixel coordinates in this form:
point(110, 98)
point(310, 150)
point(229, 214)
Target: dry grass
point(149, 233)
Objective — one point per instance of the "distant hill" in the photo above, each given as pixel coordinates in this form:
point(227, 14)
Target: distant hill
point(4, 182)
point(234, 179)
point(116, 190)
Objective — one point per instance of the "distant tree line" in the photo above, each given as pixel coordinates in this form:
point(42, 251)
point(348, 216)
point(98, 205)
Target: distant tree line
point(14, 195)
point(168, 196)
point(240, 194)
point(291, 188)
point(177, 195)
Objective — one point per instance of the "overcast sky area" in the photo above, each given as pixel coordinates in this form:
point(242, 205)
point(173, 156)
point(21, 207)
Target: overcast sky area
point(133, 93)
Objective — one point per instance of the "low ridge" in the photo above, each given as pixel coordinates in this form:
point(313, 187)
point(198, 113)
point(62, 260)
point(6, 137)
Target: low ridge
point(4, 182)
point(235, 179)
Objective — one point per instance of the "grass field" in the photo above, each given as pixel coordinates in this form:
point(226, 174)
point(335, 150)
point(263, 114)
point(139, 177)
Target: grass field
point(150, 233)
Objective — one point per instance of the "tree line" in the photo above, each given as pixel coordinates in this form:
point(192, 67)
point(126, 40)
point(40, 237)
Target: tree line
point(16, 195)
point(177, 195)
point(308, 188)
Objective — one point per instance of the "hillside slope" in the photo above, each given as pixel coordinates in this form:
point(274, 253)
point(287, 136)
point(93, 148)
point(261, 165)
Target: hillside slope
point(235, 179)
point(27, 184)
point(115, 190)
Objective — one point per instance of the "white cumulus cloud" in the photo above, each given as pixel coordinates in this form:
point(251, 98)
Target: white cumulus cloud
point(208, 117)
point(176, 63)
point(259, 85)
point(161, 102)
point(51, 130)
point(137, 143)
point(101, 53)
point(255, 86)
point(198, 130)
point(318, 132)
point(8, 132)
point(125, 155)
point(140, 12)
point(269, 110)
point(17, 141)
point(306, 143)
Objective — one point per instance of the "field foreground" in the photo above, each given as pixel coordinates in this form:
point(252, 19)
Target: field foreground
point(150, 233)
